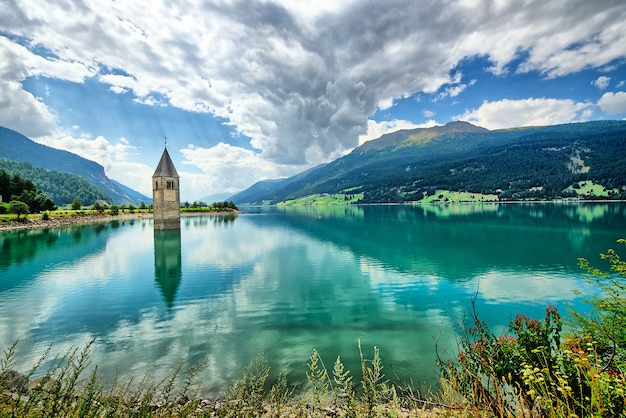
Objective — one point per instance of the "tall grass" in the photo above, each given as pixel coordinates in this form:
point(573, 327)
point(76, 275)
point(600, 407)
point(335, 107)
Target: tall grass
point(65, 389)
point(69, 387)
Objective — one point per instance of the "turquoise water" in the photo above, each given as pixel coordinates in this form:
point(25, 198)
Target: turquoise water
point(283, 282)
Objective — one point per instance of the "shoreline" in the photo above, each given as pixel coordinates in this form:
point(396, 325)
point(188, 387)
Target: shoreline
point(73, 220)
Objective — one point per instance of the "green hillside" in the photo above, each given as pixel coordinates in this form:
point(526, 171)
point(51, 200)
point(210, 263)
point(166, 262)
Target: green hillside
point(62, 188)
point(18, 148)
point(529, 163)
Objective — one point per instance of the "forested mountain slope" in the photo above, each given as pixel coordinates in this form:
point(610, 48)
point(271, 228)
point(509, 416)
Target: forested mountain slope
point(16, 147)
point(522, 163)
point(62, 188)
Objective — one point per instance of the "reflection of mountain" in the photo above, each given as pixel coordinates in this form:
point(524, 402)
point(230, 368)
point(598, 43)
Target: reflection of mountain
point(167, 263)
point(463, 241)
point(23, 253)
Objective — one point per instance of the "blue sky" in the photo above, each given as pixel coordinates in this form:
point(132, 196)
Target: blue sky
point(249, 90)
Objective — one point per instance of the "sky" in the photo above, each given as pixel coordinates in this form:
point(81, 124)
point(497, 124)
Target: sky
point(241, 91)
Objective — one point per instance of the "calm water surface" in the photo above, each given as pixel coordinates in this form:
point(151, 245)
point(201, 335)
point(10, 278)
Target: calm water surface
point(282, 282)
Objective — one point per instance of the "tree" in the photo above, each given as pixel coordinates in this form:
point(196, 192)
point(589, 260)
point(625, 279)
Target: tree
point(76, 204)
point(114, 210)
point(48, 204)
point(19, 208)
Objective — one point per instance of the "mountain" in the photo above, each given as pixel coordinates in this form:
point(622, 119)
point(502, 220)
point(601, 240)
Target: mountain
point(16, 147)
point(513, 164)
point(267, 189)
point(217, 197)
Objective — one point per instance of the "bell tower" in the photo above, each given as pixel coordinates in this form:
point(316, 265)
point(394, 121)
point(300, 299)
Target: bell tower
point(166, 194)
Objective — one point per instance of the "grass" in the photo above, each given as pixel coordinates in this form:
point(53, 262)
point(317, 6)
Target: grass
point(325, 199)
point(70, 387)
point(588, 188)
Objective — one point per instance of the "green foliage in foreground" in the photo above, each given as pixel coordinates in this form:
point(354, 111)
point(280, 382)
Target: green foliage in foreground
point(537, 370)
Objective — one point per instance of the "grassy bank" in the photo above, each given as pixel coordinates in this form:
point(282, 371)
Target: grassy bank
point(536, 369)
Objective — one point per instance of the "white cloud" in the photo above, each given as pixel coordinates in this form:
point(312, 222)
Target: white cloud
point(428, 113)
point(528, 112)
point(601, 82)
point(19, 109)
point(613, 103)
point(22, 112)
point(222, 167)
point(377, 129)
point(385, 104)
point(113, 157)
point(455, 90)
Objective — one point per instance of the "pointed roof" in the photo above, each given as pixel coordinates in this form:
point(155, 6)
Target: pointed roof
point(166, 166)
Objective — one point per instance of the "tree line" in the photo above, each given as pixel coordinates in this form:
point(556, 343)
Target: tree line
point(23, 194)
point(61, 188)
point(213, 207)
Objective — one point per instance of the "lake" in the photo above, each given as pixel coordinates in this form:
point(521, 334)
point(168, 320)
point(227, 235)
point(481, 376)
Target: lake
point(283, 281)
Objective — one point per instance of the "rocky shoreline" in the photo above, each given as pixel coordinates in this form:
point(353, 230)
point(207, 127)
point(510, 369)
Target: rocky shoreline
point(82, 219)
point(68, 220)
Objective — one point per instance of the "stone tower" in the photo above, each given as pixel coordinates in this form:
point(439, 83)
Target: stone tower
point(166, 194)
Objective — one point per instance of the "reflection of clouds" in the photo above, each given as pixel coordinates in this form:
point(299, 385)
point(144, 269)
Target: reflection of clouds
point(243, 243)
point(31, 306)
point(532, 288)
point(382, 276)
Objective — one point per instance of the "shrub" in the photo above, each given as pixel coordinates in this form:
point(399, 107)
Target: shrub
point(606, 322)
point(19, 208)
point(534, 369)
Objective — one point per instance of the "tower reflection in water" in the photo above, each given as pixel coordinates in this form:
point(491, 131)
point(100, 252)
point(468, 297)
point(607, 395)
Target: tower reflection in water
point(167, 263)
